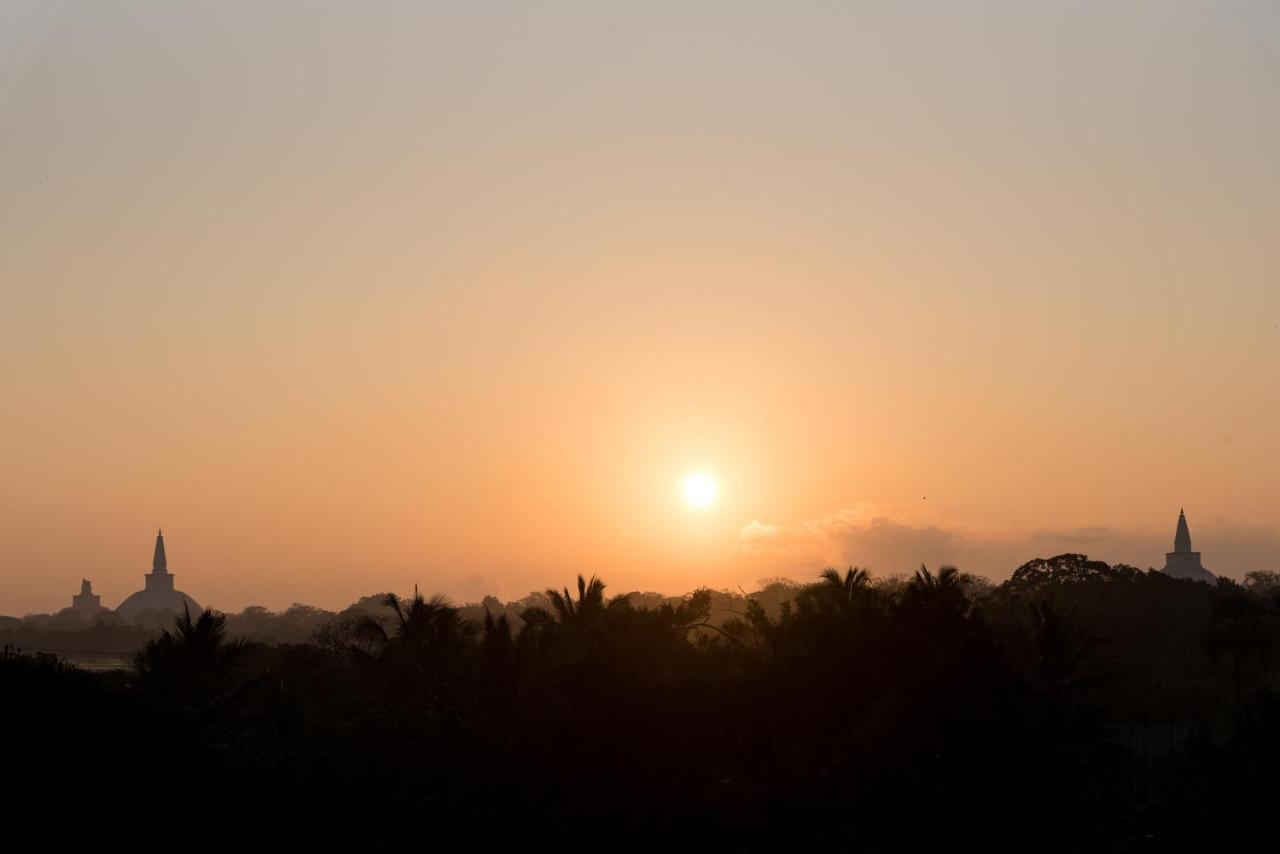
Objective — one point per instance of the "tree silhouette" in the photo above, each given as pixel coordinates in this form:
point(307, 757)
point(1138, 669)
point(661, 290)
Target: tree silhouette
point(1059, 644)
point(1238, 633)
point(427, 623)
point(582, 614)
point(194, 660)
point(428, 652)
point(941, 593)
point(847, 590)
point(831, 714)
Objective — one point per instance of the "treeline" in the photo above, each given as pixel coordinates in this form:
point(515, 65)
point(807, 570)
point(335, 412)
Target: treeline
point(109, 632)
point(1078, 706)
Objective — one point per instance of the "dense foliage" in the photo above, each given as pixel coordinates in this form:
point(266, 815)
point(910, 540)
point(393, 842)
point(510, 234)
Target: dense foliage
point(1076, 707)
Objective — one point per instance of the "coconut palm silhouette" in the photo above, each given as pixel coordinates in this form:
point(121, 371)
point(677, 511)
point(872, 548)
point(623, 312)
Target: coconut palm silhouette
point(849, 596)
point(849, 588)
point(193, 660)
point(427, 652)
point(939, 593)
point(1059, 642)
point(423, 622)
point(584, 613)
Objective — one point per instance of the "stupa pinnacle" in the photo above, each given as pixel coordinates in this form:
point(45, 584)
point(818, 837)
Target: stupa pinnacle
point(158, 594)
point(1182, 562)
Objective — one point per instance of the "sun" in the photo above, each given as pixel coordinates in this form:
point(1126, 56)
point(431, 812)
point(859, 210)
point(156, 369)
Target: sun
point(699, 490)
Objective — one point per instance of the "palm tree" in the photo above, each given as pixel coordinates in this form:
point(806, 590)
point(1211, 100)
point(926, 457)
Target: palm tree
point(428, 649)
point(427, 622)
point(1059, 642)
point(590, 601)
point(581, 614)
point(497, 634)
point(194, 661)
point(850, 589)
point(499, 667)
point(1238, 631)
point(941, 592)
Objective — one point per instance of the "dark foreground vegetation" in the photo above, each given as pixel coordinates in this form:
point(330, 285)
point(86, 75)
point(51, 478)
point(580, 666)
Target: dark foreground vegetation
point(1076, 707)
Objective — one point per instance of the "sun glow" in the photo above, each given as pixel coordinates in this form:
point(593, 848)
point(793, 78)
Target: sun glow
point(699, 490)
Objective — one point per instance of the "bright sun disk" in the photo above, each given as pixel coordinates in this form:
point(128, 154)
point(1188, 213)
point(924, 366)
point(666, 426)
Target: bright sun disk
point(699, 489)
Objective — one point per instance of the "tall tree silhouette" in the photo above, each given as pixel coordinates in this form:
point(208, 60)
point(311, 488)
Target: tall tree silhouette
point(423, 622)
point(1238, 633)
point(1059, 644)
point(429, 649)
point(847, 590)
point(194, 660)
point(939, 593)
point(585, 612)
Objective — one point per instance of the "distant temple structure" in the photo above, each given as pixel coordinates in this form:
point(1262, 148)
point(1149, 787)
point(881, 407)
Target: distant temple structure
point(86, 601)
point(158, 594)
point(1182, 562)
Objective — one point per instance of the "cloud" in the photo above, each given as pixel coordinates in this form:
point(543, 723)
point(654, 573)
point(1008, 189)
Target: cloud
point(472, 587)
point(1233, 548)
point(1077, 535)
point(871, 537)
point(858, 535)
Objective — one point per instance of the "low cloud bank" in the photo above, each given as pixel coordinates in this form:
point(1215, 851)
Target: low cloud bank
point(863, 536)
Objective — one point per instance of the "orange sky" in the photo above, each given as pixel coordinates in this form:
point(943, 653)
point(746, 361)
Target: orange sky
point(455, 294)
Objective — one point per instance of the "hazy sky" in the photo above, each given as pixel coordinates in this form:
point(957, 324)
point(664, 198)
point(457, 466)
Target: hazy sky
point(349, 297)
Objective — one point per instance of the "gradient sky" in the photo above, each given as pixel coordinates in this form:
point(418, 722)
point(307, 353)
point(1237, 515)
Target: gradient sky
point(349, 297)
